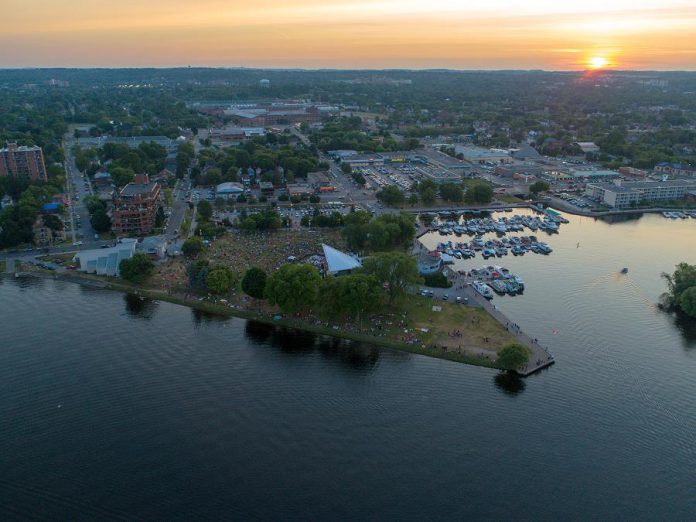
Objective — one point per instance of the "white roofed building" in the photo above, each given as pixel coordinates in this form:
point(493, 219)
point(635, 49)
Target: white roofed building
point(338, 262)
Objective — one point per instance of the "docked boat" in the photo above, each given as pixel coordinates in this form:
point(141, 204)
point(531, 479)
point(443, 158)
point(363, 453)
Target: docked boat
point(499, 286)
point(483, 289)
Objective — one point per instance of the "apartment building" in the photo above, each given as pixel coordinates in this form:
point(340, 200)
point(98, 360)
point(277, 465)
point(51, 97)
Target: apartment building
point(23, 162)
point(135, 207)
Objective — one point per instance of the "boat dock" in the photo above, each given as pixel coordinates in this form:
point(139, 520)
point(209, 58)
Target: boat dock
point(539, 356)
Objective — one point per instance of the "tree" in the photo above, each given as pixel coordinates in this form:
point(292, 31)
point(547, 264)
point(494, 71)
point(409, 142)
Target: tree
point(687, 301)
point(205, 210)
point(353, 295)
point(683, 278)
point(391, 195)
point(136, 269)
point(220, 280)
point(192, 247)
point(100, 221)
point(451, 192)
point(254, 282)
point(293, 286)
point(122, 176)
point(395, 270)
point(479, 192)
point(512, 356)
point(346, 168)
point(413, 199)
point(53, 222)
point(429, 196)
point(197, 273)
point(539, 186)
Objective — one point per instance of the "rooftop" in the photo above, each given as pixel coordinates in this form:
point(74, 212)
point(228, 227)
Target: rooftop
point(337, 261)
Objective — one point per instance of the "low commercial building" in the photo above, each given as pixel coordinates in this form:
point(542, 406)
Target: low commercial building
point(236, 134)
point(593, 175)
point(632, 172)
point(135, 207)
point(363, 160)
point(133, 142)
point(588, 147)
point(627, 193)
point(675, 169)
point(299, 190)
point(480, 155)
point(105, 261)
point(229, 190)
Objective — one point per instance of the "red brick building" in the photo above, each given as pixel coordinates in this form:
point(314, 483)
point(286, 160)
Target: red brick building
point(23, 162)
point(135, 207)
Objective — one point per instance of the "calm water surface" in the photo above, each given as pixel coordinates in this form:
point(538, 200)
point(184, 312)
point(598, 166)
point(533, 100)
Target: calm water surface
point(117, 408)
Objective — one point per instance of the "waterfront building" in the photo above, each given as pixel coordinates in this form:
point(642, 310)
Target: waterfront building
point(429, 262)
point(135, 207)
point(23, 162)
point(625, 194)
point(106, 261)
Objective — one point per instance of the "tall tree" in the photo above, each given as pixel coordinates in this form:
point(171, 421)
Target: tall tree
point(293, 287)
point(395, 270)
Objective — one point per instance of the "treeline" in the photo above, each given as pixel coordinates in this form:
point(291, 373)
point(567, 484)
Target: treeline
point(475, 192)
point(347, 133)
point(16, 221)
point(276, 164)
point(122, 161)
point(681, 290)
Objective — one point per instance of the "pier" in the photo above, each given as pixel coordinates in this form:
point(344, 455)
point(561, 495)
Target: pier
point(539, 356)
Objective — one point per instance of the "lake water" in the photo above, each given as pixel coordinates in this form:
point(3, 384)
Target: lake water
point(117, 408)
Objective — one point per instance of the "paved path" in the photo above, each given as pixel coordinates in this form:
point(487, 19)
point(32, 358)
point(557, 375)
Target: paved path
point(539, 356)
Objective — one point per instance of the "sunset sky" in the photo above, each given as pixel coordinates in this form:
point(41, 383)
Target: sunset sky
point(459, 34)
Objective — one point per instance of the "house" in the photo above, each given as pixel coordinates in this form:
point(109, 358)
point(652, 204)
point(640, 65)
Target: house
point(266, 187)
point(45, 235)
point(153, 246)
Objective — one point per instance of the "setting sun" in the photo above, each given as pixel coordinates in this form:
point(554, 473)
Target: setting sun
point(597, 62)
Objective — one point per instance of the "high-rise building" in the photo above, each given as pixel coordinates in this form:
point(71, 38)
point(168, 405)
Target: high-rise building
point(135, 207)
point(23, 162)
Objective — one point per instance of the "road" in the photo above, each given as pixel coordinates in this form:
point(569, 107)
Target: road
point(79, 186)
